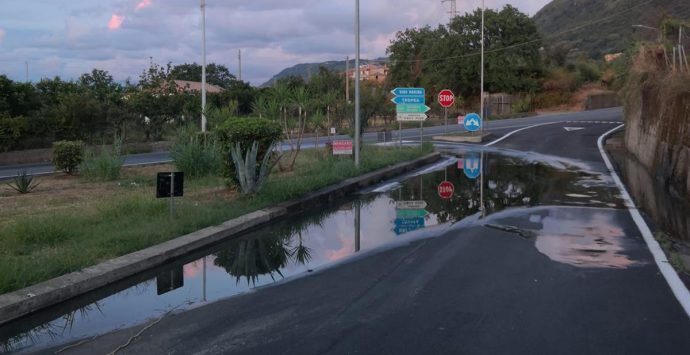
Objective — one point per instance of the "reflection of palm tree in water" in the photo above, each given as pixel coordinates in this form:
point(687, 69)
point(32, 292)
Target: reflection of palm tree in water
point(269, 250)
point(268, 254)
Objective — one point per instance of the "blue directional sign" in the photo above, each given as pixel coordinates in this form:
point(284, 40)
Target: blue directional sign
point(473, 122)
point(472, 166)
point(406, 225)
point(400, 100)
point(409, 92)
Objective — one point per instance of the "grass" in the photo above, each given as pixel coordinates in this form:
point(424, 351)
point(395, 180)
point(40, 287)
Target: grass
point(48, 241)
point(673, 256)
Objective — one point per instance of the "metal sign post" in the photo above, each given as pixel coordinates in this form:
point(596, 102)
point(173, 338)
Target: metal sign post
point(172, 195)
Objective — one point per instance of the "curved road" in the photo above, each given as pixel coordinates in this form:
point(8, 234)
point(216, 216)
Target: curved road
point(473, 290)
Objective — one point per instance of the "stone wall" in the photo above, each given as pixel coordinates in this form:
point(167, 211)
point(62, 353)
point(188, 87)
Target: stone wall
point(657, 113)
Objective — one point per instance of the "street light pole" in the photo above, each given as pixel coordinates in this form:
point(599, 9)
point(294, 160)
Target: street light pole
point(481, 106)
point(357, 77)
point(203, 66)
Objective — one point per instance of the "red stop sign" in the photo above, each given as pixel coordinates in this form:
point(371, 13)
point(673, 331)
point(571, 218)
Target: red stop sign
point(446, 98)
point(446, 190)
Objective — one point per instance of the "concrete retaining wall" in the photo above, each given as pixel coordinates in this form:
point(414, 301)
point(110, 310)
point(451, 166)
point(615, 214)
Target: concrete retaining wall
point(34, 298)
point(601, 101)
point(657, 114)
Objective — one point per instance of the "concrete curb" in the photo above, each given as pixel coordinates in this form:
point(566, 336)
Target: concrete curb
point(20, 303)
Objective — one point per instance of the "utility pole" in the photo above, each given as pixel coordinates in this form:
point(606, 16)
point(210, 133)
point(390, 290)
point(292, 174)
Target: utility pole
point(453, 9)
point(239, 61)
point(27, 71)
point(482, 75)
point(357, 99)
point(347, 79)
point(203, 66)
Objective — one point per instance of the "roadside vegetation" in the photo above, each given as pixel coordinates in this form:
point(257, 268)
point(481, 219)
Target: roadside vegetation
point(69, 223)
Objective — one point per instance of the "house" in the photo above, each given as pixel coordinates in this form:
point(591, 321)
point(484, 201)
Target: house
point(375, 73)
point(195, 86)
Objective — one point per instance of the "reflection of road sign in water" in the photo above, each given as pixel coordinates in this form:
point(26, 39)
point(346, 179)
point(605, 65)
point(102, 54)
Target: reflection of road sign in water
point(411, 213)
point(473, 122)
point(446, 190)
point(406, 225)
point(410, 205)
point(472, 166)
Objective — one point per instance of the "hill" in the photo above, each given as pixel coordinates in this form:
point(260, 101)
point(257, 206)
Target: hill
point(304, 70)
point(596, 27)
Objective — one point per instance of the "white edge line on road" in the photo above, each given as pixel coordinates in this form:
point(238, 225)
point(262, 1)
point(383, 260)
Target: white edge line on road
point(519, 130)
point(679, 290)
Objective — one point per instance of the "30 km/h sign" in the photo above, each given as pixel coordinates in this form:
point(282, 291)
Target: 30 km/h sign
point(446, 190)
point(446, 98)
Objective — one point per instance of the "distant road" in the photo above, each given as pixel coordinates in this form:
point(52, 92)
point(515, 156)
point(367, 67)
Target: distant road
point(496, 127)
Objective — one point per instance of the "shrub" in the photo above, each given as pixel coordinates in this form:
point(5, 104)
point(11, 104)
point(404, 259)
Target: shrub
point(11, 131)
point(246, 131)
point(67, 155)
point(523, 104)
point(106, 165)
point(195, 154)
point(246, 166)
point(23, 183)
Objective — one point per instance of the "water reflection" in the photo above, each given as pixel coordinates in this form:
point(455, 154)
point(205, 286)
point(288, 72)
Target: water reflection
point(320, 237)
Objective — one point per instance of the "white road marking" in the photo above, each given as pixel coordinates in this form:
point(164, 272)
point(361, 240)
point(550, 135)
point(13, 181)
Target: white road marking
point(520, 130)
point(677, 286)
point(571, 129)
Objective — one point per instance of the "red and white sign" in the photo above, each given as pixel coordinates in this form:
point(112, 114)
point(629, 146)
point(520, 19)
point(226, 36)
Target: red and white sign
point(446, 190)
point(446, 98)
point(461, 120)
point(342, 147)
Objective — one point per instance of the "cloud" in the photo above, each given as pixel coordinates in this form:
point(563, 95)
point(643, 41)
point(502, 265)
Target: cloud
point(143, 4)
point(115, 22)
point(273, 34)
point(2, 35)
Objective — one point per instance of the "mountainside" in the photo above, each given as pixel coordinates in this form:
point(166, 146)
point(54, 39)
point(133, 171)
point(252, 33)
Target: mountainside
point(596, 27)
point(304, 70)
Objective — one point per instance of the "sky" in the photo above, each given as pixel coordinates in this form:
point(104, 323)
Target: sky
point(69, 37)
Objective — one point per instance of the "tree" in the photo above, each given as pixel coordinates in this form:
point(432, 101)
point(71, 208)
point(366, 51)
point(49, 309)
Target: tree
point(158, 101)
point(448, 57)
point(216, 74)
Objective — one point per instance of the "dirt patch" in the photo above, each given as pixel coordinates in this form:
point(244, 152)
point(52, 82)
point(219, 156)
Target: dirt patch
point(579, 99)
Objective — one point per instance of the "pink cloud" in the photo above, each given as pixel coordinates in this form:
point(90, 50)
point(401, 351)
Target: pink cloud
point(2, 34)
point(143, 4)
point(115, 22)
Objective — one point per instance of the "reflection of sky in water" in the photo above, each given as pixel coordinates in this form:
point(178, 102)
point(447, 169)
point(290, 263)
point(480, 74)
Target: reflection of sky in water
point(333, 239)
point(580, 239)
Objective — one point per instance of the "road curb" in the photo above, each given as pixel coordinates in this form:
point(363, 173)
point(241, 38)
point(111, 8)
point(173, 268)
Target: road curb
point(22, 302)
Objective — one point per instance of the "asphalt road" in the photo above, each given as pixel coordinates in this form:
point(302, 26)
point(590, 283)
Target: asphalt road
point(471, 290)
point(496, 127)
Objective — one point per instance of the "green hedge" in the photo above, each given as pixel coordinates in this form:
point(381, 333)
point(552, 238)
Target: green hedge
point(67, 155)
point(246, 131)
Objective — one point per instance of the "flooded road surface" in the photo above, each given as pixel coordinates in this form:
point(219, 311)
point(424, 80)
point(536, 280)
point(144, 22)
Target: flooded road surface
point(518, 194)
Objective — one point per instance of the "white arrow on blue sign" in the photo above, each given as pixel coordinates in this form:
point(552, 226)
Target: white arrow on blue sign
point(472, 166)
point(409, 92)
point(473, 122)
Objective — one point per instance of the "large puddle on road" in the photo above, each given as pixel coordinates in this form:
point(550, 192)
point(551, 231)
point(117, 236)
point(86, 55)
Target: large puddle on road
point(393, 213)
